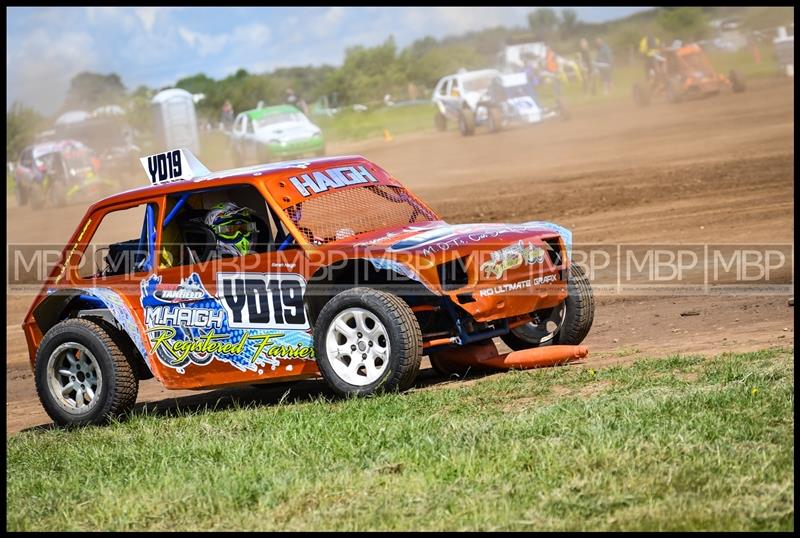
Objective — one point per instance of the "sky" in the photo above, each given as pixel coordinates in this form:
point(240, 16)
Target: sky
point(157, 46)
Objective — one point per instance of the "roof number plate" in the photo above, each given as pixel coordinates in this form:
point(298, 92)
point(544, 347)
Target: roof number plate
point(173, 165)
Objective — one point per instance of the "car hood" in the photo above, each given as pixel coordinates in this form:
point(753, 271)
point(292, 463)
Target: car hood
point(287, 131)
point(437, 237)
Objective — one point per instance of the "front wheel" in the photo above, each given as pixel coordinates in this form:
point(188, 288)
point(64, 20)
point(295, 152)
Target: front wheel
point(466, 122)
point(565, 324)
point(367, 341)
point(82, 374)
point(495, 119)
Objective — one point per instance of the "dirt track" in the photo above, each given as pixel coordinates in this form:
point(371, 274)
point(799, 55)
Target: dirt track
point(718, 170)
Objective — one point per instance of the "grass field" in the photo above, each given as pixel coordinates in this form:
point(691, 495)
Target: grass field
point(680, 443)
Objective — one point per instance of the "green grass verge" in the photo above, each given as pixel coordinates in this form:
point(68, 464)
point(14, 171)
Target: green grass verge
point(351, 125)
point(679, 443)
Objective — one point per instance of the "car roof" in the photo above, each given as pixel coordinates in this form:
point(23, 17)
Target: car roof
point(477, 74)
point(258, 113)
point(232, 176)
point(55, 146)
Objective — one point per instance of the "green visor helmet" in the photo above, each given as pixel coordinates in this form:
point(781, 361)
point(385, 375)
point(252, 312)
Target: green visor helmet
point(233, 227)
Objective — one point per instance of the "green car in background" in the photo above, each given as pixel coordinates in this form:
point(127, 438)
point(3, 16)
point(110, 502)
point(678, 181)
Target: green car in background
point(274, 133)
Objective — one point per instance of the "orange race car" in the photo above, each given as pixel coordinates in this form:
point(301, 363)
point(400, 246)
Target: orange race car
point(681, 73)
point(288, 271)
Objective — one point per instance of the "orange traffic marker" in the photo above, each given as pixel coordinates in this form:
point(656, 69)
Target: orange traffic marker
point(387, 135)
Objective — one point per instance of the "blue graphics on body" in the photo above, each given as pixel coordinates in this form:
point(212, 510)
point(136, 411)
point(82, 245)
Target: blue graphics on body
point(187, 325)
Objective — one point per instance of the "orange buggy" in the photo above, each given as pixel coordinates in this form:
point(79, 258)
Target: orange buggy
point(682, 73)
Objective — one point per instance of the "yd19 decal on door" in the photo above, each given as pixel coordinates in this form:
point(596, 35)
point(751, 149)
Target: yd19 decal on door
point(263, 300)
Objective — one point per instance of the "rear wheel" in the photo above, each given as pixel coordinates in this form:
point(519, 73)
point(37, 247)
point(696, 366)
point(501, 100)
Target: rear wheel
point(82, 374)
point(367, 341)
point(440, 121)
point(737, 82)
point(566, 324)
point(495, 119)
point(466, 122)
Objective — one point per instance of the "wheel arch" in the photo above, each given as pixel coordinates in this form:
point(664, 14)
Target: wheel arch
point(79, 303)
point(380, 273)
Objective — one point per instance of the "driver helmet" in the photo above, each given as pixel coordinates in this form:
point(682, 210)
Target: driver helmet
point(233, 227)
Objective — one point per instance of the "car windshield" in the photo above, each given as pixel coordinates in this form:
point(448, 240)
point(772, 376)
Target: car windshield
point(478, 83)
point(282, 117)
point(336, 215)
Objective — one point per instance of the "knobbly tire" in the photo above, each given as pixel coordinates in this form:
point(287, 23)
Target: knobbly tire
point(466, 122)
point(577, 320)
point(106, 363)
point(344, 345)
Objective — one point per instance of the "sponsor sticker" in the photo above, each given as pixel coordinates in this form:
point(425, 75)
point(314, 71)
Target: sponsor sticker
point(510, 258)
point(257, 321)
point(331, 178)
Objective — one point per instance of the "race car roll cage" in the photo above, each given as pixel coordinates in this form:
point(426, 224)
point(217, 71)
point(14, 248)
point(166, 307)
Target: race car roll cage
point(463, 337)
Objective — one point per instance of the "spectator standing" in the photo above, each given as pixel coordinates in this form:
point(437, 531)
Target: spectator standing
point(227, 115)
point(295, 100)
point(551, 68)
point(604, 62)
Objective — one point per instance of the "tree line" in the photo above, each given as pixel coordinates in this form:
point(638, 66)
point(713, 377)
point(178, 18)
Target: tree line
point(369, 73)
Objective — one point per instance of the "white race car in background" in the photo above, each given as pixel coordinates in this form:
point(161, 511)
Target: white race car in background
point(274, 133)
point(488, 97)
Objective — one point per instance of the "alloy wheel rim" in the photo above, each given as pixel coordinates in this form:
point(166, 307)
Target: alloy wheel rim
point(357, 345)
point(74, 378)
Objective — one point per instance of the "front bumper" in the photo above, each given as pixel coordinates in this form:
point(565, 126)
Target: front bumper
point(295, 148)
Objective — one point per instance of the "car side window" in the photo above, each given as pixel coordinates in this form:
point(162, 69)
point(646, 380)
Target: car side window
point(249, 126)
point(123, 243)
point(187, 237)
point(441, 87)
point(446, 87)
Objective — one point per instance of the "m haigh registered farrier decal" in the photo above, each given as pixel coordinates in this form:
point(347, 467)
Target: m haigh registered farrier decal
point(257, 321)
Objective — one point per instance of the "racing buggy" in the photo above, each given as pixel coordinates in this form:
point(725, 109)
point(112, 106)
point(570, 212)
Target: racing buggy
point(489, 98)
point(682, 73)
point(344, 273)
point(57, 173)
